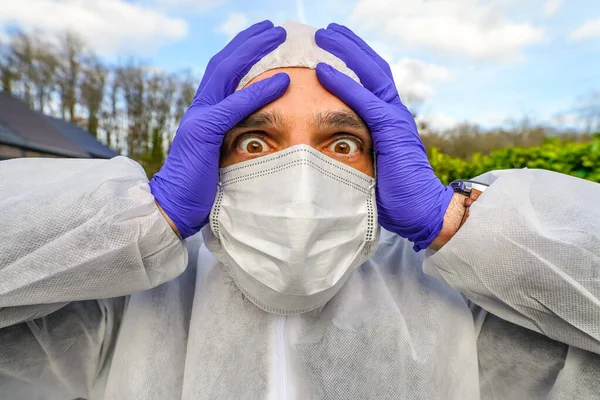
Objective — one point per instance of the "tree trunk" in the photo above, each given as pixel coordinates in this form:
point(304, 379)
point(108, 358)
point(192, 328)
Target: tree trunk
point(92, 125)
point(7, 82)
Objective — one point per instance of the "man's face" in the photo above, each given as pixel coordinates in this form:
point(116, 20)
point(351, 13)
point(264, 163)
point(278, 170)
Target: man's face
point(305, 114)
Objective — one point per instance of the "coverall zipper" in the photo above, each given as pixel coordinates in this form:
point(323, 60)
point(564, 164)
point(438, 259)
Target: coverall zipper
point(282, 357)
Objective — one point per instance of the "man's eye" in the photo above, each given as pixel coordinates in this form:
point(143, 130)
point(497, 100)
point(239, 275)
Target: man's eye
point(253, 145)
point(344, 147)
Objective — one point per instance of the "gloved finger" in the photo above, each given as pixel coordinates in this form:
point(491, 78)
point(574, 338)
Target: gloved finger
point(341, 29)
point(235, 43)
point(367, 70)
point(358, 98)
point(241, 104)
point(368, 106)
point(228, 74)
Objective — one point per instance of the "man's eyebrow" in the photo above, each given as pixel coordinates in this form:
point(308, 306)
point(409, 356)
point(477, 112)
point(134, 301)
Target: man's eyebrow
point(272, 118)
point(337, 120)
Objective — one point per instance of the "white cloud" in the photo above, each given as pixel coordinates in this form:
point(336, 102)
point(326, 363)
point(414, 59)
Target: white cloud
point(476, 29)
point(590, 29)
point(437, 121)
point(551, 7)
point(415, 79)
point(383, 49)
point(234, 24)
point(107, 26)
point(195, 4)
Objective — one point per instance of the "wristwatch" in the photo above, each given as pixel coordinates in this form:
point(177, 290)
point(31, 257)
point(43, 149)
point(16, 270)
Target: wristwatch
point(472, 190)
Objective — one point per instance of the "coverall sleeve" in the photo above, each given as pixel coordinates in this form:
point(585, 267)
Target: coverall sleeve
point(76, 237)
point(79, 230)
point(530, 254)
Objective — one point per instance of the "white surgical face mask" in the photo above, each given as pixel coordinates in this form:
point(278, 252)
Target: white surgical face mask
point(292, 226)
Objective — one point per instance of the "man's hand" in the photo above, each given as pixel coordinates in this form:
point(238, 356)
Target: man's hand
point(411, 200)
point(185, 187)
point(454, 214)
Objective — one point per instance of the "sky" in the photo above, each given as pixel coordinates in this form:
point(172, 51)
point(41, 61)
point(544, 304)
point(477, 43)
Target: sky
point(487, 62)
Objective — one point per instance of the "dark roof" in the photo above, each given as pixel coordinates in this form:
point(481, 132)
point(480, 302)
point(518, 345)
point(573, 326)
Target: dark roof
point(83, 138)
point(9, 137)
point(37, 132)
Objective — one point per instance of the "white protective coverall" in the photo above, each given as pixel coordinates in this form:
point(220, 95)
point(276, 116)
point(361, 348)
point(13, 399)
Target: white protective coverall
point(99, 299)
point(96, 301)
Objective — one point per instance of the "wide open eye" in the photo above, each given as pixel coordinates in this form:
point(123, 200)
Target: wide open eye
point(344, 147)
point(253, 145)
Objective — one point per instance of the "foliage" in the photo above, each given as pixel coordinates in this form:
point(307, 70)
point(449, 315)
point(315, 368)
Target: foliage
point(577, 159)
point(466, 139)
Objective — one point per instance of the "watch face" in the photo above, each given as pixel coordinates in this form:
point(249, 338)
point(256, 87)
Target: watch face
point(458, 186)
point(465, 187)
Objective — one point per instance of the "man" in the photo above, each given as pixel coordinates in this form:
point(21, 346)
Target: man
point(292, 291)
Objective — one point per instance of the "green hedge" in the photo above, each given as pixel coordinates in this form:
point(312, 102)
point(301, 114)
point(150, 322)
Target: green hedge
point(578, 159)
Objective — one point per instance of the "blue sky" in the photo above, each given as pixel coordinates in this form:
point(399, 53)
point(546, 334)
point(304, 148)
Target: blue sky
point(482, 61)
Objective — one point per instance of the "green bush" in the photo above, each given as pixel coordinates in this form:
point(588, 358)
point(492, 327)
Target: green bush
point(577, 159)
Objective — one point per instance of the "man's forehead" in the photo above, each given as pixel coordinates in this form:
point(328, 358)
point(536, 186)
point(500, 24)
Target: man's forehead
point(317, 119)
point(305, 102)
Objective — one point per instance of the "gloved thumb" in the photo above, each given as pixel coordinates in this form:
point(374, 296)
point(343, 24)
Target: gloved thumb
point(241, 104)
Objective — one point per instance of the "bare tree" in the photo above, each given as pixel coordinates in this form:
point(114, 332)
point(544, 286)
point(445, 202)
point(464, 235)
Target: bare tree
point(187, 86)
point(588, 109)
point(31, 61)
point(45, 67)
point(71, 53)
point(131, 80)
point(160, 94)
point(111, 113)
point(93, 81)
point(23, 52)
point(9, 65)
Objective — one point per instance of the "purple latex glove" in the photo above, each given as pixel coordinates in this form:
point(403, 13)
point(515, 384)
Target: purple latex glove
point(185, 187)
point(411, 200)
